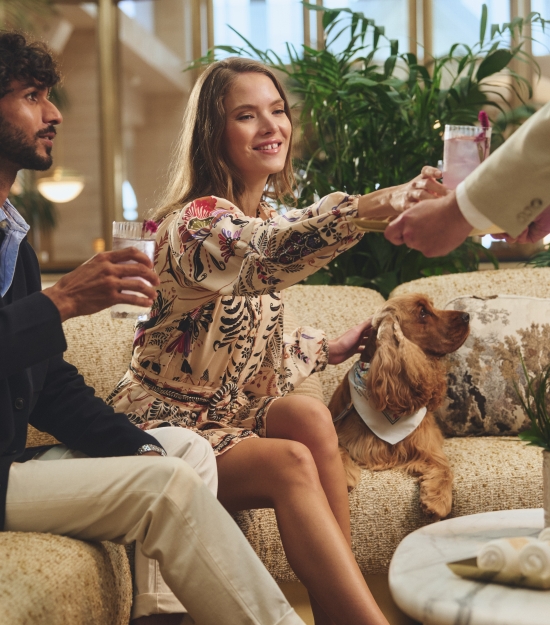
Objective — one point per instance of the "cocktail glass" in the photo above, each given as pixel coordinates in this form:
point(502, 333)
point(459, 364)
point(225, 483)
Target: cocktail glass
point(131, 234)
point(464, 148)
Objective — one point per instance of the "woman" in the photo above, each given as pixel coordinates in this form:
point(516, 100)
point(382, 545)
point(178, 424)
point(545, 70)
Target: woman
point(213, 356)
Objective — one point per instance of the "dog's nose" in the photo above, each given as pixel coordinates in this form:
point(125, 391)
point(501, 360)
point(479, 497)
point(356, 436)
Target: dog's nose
point(466, 317)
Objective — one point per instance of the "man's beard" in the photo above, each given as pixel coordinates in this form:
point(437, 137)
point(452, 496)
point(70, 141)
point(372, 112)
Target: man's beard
point(16, 148)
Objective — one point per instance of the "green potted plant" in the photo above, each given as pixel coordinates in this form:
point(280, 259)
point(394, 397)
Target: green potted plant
point(535, 405)
point(372, 116)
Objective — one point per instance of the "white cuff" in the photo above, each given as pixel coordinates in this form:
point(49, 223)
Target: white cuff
point(470, 213)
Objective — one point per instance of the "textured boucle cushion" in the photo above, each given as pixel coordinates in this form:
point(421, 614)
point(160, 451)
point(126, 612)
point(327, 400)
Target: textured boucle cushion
point(490, 474)
point(484, 373)
point(61, 581)
point(333, 309)
point(100, 348)
point(442, 289)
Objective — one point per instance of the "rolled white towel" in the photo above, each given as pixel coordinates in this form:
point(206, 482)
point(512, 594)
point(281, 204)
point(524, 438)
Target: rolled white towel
point(534, 560)
point(502, 555)
point(545, 534)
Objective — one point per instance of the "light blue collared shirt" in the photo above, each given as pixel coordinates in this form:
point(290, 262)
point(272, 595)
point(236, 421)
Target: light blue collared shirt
point(15, 229)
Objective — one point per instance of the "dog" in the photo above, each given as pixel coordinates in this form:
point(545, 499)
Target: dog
point(400, 373)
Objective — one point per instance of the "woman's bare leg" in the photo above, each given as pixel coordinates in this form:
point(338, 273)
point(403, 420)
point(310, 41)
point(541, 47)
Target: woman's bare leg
point(308, 421)
point(281, 474)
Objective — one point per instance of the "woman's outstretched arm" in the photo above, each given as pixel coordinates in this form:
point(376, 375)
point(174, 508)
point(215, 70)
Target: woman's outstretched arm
point(220, 249)
point(391, 201)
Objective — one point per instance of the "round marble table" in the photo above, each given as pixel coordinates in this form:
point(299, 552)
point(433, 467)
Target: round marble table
point(425, 588)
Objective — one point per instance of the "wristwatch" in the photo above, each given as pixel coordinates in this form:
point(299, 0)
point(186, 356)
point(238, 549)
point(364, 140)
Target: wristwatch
point(148, 447)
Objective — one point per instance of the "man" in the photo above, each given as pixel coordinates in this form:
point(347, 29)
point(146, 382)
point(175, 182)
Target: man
point(97, 486)
point(510, 189)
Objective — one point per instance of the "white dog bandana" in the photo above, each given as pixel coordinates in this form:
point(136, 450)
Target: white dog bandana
point(385, 425)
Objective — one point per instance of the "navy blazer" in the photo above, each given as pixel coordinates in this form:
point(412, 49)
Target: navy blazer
point(38, 387)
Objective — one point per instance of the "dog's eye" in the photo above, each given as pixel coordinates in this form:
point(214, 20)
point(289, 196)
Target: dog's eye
point(423, 312)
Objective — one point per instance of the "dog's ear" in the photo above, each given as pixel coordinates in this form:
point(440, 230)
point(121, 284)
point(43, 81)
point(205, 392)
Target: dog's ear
point(402, 378)
point(369, 348)
point(439, 386)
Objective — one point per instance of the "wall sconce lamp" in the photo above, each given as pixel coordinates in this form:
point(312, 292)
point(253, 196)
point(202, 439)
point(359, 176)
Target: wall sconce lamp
point(62, 186)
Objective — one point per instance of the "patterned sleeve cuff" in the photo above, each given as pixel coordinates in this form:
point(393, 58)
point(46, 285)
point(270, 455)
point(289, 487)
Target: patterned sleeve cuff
point(322, 360)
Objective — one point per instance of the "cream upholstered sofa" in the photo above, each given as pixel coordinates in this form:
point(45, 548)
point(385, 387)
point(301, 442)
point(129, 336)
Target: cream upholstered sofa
point(490, 473)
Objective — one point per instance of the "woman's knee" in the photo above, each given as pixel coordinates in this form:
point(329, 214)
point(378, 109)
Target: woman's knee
point(320, 435)
point(293, 465)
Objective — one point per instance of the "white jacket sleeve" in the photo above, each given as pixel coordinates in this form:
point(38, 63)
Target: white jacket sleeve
point(512, 186)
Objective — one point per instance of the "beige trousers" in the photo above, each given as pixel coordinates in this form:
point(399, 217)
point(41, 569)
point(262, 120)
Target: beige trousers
point(162, 504)
point(151, 593)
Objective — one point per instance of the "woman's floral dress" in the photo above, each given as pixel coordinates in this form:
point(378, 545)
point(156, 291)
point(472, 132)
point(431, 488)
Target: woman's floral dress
point(213, 355)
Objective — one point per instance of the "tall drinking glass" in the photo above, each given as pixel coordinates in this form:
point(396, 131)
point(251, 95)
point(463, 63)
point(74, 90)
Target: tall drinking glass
point(464, 148)
point(131, 234)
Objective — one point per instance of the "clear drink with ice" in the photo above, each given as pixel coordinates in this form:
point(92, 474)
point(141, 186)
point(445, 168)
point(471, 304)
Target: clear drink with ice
point(129, 234)
point(464, 148)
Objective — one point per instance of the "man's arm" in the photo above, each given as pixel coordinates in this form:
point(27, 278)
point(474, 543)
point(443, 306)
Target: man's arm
point(510, 189)
point(435, 227)
point(69, 410)
point(512, 186)
point(30, 327)
point(30, 332)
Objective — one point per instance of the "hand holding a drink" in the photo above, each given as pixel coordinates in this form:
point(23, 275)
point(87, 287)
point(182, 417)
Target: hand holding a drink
point(104, 281)
point(133, 234)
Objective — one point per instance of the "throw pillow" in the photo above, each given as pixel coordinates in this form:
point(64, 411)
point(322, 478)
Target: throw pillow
point(481, 396)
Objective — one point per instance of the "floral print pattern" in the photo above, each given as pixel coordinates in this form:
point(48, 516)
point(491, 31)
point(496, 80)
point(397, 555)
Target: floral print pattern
point(214, 356)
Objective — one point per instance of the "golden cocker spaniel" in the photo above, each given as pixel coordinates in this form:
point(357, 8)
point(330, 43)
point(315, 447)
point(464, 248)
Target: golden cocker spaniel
point(398, 375)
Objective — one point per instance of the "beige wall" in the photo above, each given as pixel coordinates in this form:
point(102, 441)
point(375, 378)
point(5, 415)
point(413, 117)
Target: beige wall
point(153, 146)
point(78, 149)
point(153, 96)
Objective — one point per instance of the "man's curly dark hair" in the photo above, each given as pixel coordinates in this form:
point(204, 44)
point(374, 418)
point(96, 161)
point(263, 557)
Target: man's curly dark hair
point(27, 61)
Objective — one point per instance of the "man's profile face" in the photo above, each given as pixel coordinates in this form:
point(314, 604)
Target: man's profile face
point(27, 126)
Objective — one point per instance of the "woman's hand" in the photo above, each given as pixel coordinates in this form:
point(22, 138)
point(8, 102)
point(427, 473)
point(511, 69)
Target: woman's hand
point(393, 201)
point(350, 343)
point(423, 187)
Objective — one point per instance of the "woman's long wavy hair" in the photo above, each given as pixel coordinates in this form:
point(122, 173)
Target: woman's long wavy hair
point(200, 165)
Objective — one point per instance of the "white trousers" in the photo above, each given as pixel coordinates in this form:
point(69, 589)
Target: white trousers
point(163, 505)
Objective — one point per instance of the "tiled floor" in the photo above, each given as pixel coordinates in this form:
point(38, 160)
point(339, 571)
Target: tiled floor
point(298, 598)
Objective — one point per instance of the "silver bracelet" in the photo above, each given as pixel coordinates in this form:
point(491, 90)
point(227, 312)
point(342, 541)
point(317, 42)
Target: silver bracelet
point(148, 447)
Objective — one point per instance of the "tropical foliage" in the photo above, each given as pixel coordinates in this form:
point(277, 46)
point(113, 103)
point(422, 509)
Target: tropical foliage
point(373, 117)
point(542, 258)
